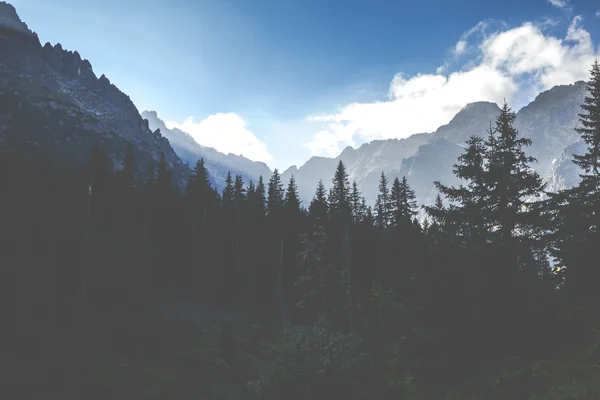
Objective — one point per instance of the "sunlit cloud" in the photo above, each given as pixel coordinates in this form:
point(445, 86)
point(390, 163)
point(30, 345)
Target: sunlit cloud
point(507, 63)
point(227, 133)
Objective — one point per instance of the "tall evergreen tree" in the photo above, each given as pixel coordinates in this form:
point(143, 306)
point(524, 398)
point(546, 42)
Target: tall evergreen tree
point(403, 204)
point(513, 184)
point(382, 205)
point(275, 195)
point(319, 206)
point(589, 130)
point(292, 199)
point(576, 212)
point(339, 200)
point(261, 199)
point(228, 196)
point(467, 214)
point(355, 203)
point(239, 191)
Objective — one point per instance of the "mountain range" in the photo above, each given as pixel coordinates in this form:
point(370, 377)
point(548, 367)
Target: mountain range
point(549, 121)
point(52, 100)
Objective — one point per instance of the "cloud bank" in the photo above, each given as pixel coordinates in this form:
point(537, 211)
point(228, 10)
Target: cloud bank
point(227, 133)
point(512, 64)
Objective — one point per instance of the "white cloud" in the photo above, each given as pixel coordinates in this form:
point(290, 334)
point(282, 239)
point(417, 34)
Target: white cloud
point(559, 3)
point(513, 64)
point(598, 13)
point(460, 47)
point(227, 133)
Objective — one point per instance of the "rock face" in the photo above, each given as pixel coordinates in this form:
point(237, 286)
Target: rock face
point(549, 121)
point(9, 19)
point(53, 99)
point(217, 163)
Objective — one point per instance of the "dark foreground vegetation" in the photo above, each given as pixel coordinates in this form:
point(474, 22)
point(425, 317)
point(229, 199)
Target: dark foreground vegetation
point(120, 286)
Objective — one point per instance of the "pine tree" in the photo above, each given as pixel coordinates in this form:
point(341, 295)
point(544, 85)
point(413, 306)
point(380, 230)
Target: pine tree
point(319, 206)
point(403, 205)
point(467, 216)
point(382, 205)
point(275, 194)
point(239, 191)
point(339, 199)
point(589, 130)
point(355, 203)
point(365, 211)
point(201, 178)
point(575, 213)
point(512, 182)
point(260, 196)
point(228, 196)
point(292, 201)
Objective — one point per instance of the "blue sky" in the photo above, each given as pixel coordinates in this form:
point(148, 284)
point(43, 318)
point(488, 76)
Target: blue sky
point(250, 73)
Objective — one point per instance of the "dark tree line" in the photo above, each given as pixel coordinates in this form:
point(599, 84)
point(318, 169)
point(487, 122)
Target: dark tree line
point(495, 269)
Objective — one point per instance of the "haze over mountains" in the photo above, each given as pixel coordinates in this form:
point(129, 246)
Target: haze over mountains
point(217, 163)
point(66, 109)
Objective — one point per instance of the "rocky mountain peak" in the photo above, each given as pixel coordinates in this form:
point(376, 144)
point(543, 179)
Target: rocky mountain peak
point(151, 114)
point(477, 109)
point(556, 95)
point(11, 20)
point(67, 62)
point(291, 170)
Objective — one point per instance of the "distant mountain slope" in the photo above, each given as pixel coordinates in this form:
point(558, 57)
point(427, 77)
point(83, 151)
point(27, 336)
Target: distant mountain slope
point(364, 164)
point(549, 121)
point(51, 98)
point(217, 163)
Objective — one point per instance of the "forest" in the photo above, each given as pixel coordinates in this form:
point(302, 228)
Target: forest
point(248, 293)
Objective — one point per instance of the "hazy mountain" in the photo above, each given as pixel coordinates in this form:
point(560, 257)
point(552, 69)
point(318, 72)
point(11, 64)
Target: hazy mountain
point(51, 99)
point(217, 163)
point(364, 164)
point(423, 158)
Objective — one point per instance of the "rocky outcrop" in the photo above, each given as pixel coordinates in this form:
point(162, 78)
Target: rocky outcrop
point(51, 81)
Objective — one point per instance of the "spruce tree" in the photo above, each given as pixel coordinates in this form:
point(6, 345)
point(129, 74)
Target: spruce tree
point(319, 206)
point(339, 199)
point(403, 205)
point(292, 201)
point(576, 212)
point(239, 191)
point(228, 196)
point(466, 215)
point(355, 203)
point(275, 194)
point(513, 184)
point(382, 205)
point(260, 196)
point(589, 130)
